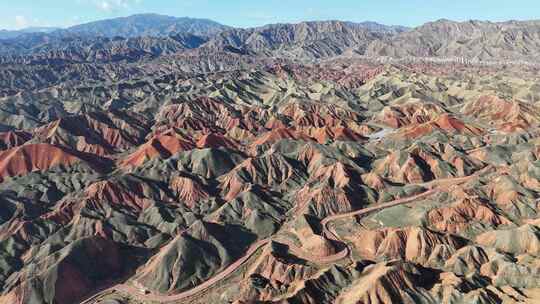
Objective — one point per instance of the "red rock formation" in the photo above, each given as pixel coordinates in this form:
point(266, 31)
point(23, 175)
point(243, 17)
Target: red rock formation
point(318, 246)
point(188, 190)
point(131, 195)
point(506, 115)
point(213, 140)
point(505, 191)
point(337, 175)
point(387, 283)
point(274, 123)
point(318, 115)
point(412, 112)
point(33, 157)
point(86, 266)
point(99, 196)
point(278, 269)
point(423, 163)
point(374, 181)
point(102, 134)
point(344, 74)
point(201, 114)
point(163, 145)
point(232, 185)
point(312, 241)
point(445, 123)
point(324, 200)
point(458, 216)
point(13, 139)
point(409, 170)
point(272, 169)
point(412, 243)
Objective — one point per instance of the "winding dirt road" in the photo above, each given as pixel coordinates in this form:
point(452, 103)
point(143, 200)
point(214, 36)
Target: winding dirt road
point(327, 232)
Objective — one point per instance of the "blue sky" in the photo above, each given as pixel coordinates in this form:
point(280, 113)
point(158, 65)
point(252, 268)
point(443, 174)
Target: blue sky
point(15, 14)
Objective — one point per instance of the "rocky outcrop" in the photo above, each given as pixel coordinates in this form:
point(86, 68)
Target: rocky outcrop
point(34, 157)
point(12, 139)
point(163, 145)
point(87, 264)
point(412, 244)
point(457, 217)
point(190, 258)
point(444, 123)
point(525, 239)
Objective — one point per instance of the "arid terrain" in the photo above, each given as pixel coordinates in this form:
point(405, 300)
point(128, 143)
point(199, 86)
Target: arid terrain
point(195, 163)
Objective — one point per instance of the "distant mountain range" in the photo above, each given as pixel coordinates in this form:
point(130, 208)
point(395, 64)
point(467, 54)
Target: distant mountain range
point(150, 35)
point(141, 25)
point(307, 39)
point(148, 25)
point(483, 40)
point(160, 25)
point(6, 34)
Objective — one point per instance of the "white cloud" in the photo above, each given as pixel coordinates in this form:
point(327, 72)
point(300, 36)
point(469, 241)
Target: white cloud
point(74, 20)
point(114, 5)
point(260, 15)
point(21, 22)
point(104, 5)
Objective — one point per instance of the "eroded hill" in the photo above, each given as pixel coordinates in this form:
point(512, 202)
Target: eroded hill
point(335, 182)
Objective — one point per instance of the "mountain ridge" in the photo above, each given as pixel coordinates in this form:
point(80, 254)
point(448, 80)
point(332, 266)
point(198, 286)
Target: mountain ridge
point(147, 25)
point(309, 40)
point(8, 34)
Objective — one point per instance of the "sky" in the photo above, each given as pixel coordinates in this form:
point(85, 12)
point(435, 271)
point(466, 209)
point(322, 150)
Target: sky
point(17, 14)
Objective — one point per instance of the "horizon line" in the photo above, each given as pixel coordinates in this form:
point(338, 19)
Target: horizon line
point(52, 27)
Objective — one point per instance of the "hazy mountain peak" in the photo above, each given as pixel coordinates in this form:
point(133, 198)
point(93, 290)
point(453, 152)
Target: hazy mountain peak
point(148, 25)
point(9, 34)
